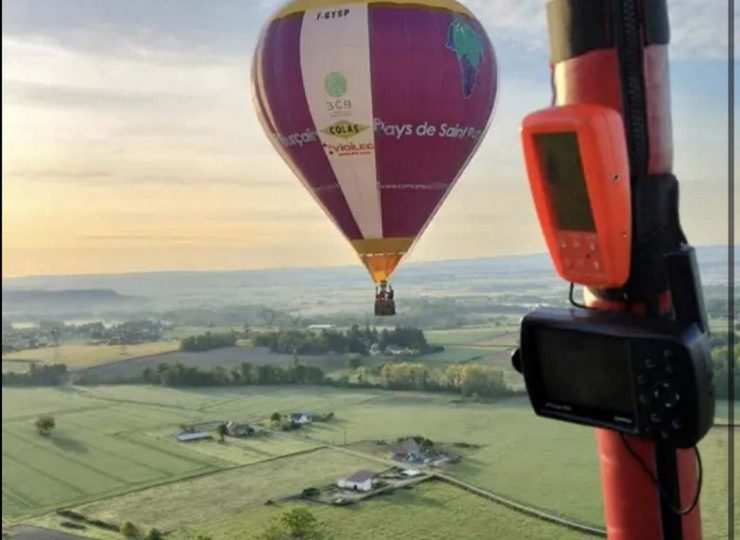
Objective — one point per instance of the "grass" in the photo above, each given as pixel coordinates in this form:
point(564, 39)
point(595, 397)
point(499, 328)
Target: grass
point(16, 366)
point(432, 511)
point(189, 503)
point(112, 440)
point(81, 355)
point(484, 335)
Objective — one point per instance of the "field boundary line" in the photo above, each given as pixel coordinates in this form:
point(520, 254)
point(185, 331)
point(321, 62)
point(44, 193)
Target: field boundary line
point(531, 511)
point(45, 473)
point(76, 461)
point(164, 482)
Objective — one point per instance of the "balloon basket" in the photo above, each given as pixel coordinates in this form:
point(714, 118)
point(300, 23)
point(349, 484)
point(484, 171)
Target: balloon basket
point(385, 308)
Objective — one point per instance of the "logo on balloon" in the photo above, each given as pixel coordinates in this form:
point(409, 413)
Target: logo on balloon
point(335, 84)
point(465, 42)
point(344, 129)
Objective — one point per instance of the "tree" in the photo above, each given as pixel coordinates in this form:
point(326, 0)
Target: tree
point(222, 431)
point(276, 417)
point(129, 530)
point(154, 534)
point(45, 424)
point(301, 523)
point(295, 524)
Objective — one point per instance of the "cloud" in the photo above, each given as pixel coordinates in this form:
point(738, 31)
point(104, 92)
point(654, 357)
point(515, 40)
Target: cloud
point(203, 33)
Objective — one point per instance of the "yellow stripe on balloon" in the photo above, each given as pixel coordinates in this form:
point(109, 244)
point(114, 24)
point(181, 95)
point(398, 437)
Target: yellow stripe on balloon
point(381, 256)
point(300, 6)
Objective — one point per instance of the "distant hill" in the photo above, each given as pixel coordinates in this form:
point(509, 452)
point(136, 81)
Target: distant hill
point(305, 287)
point(34, 300)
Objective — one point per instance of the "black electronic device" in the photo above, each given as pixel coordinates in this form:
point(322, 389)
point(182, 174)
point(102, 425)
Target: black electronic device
point(646, 377)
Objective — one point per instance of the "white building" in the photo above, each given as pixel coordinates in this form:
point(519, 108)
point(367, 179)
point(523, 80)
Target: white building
point(360, 481)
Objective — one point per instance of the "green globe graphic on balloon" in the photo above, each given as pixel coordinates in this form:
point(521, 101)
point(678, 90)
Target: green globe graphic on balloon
point(335, 84)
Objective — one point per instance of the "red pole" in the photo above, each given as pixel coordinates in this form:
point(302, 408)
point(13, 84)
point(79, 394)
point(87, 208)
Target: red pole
point(588, 68)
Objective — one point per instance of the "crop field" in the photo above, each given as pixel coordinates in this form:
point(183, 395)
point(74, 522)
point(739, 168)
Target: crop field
point(110, 441)
point(188, 503)
point(81, 355)
point(481, 336)
point(227, 357)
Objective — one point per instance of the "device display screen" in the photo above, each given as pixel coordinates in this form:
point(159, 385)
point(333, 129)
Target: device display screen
point(583, 370)
point(566, 183)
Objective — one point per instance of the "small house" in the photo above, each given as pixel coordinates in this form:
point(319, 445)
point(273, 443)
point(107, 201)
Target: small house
point(408, 451)
point(236, 429)
point(360, 481)
point(190, 436)
point(300, 418)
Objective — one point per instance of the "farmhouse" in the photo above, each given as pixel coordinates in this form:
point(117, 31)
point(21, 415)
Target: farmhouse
point(189, 436)
point(301, 418)
point(321, 327)
point(408, 451)
point(360, 481)
point(236, 429)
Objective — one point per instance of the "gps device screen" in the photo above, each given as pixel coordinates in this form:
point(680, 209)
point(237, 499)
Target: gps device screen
point(561, 162)
point(586, 370)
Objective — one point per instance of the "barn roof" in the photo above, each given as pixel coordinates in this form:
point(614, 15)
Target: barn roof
point(193, 436)
point(361, 476)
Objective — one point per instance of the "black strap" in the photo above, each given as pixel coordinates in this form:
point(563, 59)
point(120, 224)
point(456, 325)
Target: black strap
point(657, 232)
point(581, 26)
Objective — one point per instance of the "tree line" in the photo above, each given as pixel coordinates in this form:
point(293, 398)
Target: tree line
point(37, 375)
point(468, 379)
point(354, 340)
point(176, 374)
point(208, 342)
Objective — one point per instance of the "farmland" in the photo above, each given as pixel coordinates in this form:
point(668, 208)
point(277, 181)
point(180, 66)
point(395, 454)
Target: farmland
point(80, 355)
point(227, 357)
point(114, 445)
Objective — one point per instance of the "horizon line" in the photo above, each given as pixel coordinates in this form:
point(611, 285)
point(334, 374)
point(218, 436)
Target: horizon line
point(290, 268)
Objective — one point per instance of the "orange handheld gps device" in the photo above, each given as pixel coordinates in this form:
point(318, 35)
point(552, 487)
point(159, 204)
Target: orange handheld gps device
point(578, 170)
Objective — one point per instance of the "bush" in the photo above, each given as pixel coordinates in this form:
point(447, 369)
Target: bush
point(70, 514)
point(71, 525)
point(129, 530)
point(154, 534)
point(310, 492)
point(45, 424)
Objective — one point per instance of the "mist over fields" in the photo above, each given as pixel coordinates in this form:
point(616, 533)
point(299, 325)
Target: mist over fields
point(310, 291)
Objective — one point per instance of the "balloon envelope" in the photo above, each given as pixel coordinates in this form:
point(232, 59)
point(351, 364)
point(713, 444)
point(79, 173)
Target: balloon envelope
point(377, 106)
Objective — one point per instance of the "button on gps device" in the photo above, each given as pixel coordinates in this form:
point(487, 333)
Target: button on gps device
point(578, 171)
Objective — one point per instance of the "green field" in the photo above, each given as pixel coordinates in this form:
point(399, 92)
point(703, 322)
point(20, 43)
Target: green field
point(111, 440)
point(82, 355)
point(481, 336)
point(433, 511)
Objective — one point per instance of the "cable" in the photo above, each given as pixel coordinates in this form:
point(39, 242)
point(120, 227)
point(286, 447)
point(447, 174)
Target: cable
point(674, 507)
point(572, 300)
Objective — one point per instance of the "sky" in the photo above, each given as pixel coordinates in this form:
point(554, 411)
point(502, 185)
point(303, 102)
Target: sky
point(129, 141)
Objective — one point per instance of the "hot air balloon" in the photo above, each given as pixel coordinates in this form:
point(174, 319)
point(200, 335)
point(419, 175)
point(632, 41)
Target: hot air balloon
point(377, 106)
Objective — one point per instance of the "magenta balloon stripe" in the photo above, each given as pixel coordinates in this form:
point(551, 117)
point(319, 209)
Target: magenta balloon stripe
point(418, 85)
point(286, 96)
